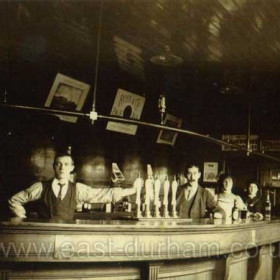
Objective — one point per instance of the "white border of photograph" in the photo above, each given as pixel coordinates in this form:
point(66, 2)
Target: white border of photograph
point(71, 90)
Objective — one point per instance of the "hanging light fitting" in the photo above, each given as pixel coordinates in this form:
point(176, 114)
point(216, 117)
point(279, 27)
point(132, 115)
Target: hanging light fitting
point(167, 58)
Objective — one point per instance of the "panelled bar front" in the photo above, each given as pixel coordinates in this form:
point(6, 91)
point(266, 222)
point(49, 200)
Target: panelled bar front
point(140, 249)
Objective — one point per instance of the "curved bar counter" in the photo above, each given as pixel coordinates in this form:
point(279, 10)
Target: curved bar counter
point(139, 249)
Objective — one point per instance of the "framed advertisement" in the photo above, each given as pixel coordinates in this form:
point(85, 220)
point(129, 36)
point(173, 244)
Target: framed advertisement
point(240, 140)
point(67, 94)
point(128, 105)
point(210, 172)
point(270, 145)
point(169, 137)
point(275, 177)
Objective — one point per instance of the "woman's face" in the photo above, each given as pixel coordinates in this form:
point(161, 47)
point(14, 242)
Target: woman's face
point(227, 184)
point(253, 189)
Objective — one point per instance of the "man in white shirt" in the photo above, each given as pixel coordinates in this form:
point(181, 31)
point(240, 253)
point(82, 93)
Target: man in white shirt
point(59, 197)
point(192, 199)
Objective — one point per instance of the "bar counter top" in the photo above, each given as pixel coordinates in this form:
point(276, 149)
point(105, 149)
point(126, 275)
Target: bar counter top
point(151, 224)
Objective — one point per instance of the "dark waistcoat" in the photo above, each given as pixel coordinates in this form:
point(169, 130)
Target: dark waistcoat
point(195, 207)
point(52, 207)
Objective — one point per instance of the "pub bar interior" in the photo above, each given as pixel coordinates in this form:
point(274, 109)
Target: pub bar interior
point(134, 91)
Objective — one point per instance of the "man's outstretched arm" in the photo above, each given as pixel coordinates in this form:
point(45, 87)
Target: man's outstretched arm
point(17, 201)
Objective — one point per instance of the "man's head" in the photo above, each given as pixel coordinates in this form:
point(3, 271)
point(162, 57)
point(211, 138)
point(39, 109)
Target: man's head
point(192, 174)
point(63, 165)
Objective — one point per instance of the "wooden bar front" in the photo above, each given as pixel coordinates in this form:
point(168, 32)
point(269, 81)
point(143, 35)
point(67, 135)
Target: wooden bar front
point(145, 249)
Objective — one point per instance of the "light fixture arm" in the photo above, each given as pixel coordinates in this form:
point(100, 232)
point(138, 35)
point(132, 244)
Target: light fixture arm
point(249, 147)
point(94, 116)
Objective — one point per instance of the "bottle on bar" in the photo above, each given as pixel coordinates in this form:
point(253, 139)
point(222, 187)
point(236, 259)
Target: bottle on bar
point(267, 207)
point(235, 211)
point(126, 204)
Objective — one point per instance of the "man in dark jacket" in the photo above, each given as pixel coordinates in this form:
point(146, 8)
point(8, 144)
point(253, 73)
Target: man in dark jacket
point(192, 199)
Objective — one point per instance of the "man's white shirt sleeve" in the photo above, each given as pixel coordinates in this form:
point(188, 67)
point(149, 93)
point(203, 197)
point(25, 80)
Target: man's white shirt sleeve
point(17, 201)
point(88, 194)
point(84, 193)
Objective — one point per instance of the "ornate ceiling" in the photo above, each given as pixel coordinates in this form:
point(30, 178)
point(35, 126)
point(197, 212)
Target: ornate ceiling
point(229, 50)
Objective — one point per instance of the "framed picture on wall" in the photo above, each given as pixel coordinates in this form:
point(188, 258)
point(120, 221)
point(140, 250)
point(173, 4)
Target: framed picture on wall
point(128, 105)
point(169, 137)
point(210, 172)
point(275, 177)
point(67, 94)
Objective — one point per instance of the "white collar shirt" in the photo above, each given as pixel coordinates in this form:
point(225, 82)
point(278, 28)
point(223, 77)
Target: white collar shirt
point(56, 188)
point(190, 192)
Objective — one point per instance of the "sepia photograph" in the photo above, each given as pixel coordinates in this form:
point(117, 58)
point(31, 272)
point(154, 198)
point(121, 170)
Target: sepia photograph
point(140, 140)
point(67, 94)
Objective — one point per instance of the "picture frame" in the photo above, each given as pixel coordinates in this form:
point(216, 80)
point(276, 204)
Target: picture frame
point(275, 177)
point(240, 140)
point(127, 105)
point(210, 172)
point(67, 94)
point(169, 137)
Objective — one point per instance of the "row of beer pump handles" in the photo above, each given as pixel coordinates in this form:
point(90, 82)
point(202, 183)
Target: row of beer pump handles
point(152, 202)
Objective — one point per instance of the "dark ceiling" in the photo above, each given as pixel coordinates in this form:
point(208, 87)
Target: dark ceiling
point(230, 52)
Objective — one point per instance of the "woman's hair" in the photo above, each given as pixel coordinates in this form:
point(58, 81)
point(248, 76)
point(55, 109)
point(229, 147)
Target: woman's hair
point(249, 183)
point(252, 182)
point(221, 180)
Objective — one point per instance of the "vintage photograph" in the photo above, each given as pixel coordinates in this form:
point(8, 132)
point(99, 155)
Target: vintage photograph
point(169, 137)
point(210, 172)
point(127, 105)
point(67, 94)
point(140, 140)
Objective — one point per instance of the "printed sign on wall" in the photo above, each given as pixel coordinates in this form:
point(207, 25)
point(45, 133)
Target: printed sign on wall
point(127, 105)
point(210, 172)
point(270, 145)
point(240, 140)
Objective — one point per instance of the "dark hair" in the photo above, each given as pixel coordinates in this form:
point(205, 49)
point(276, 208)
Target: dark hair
point(190, 165)
point(64, 154)
point(222, 178)
point(252, 182)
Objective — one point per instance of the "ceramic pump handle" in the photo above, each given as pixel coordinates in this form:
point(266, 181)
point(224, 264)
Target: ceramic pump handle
point(138, 184)
point(166, 187)
point(174, 188)
point(157, 190)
